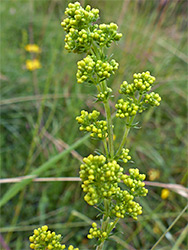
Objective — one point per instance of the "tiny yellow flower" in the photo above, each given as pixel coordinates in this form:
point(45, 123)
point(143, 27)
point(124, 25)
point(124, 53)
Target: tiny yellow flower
point(32, 48)
point(165, 193)
point(153, 174)
point(33, 64)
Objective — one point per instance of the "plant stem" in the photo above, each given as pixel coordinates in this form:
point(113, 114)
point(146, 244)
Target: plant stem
point(104, 227)
point(96, 51)
point(109, 150)
point(105, 147)
point(110, 129)
point(113, 225)
point(100, 247)
point(127, 129)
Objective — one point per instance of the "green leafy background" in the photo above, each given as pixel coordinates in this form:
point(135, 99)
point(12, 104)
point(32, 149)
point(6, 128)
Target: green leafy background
point(38, 111)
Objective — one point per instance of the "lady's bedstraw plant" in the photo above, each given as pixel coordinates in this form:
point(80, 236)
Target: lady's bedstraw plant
point(101, 175)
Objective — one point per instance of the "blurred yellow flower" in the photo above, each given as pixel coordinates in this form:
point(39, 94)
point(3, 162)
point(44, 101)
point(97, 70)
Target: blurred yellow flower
point(153, 174)
point(33, 48)
point(33, 64)
point(156, 229)
point(165, 193)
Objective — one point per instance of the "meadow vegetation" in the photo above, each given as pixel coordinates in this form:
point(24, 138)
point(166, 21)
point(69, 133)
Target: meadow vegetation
point(38, 110)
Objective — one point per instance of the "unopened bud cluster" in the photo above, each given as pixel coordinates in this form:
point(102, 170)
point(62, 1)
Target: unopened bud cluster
point(90, 67)
point(81, 31)
point(126, 108)
point(86, 68)
point(44, 239)
point(105, 34)
point(125, 206)
point(101, 181)
point(104, 69)
point(103, 96)
point(100, 178)
point(135, 182)
point(96, 232)
point(142, 82)
point(76, 25)
point(125, 157)
point(139, 88)
point(152, 99)
point(89, 122)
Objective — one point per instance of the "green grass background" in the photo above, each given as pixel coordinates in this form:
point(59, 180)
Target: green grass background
point(38, 111)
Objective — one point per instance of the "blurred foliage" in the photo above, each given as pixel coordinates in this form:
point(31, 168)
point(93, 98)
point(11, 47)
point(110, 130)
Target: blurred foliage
point(38, 111)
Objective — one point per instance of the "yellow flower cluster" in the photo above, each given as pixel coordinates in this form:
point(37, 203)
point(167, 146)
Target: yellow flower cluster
point(85, 69)
point(33, 48)
point(79, 17)
point(81, 31)
point(77, 41)
point(126, 108)
point(101, 179)
point(33, 64)
point(89, 66)
point(125, 155)
point(103, 96)
point(135, 182)
point(124, 205)
point(152, 98)
point(105, 34)
point(44, 239)
point(142, 82)
point(78, 38)
point(104, 69)
point(137, 96)
point(89, 122)
point(95, 232)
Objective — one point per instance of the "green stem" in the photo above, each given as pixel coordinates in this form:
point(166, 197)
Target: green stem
point(95, 50)
point(105, 147)
point(110, 129)
point(110, 153)
point(113, 225)
point(105, 228)
point(127, 129)
point(100, 247)
point(105, 223)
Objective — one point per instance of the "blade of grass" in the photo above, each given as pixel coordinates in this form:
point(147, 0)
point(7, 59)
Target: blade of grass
point(159, 222)
point(122, 242)
point(173, 50)
point(13, 190)
point(180, 239)
point(52, 226)
point(168, 229)
point(82, 216)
